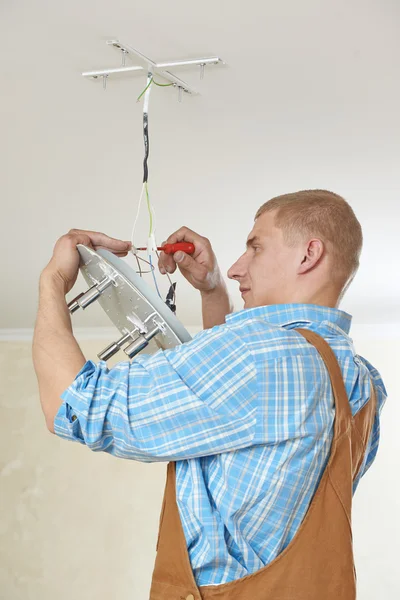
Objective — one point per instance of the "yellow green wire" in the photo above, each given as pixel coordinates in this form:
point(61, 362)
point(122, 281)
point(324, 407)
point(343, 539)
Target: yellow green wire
point(149, 84)
point(145, 89)
point(162, 84)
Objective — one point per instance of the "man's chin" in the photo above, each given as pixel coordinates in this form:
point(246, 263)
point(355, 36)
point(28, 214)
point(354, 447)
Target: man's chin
point(247, 303)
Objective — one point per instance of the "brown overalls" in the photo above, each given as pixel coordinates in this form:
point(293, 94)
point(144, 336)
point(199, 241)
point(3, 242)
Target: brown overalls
point(318, 562)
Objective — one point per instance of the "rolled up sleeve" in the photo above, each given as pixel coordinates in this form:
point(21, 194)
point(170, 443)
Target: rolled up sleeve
point(66, 423)
point(196, 400)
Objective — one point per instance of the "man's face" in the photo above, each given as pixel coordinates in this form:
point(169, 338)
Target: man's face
point(267, 270)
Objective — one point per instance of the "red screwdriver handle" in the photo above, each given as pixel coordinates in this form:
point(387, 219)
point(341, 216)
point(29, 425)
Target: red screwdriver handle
point(179, 247)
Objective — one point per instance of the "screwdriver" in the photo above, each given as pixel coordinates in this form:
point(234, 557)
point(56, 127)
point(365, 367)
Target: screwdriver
point(172, 248)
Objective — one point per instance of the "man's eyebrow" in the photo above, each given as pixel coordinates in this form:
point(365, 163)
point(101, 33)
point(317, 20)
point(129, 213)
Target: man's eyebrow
point(251, 241)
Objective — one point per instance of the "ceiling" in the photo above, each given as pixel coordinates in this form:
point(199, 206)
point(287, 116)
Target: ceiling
point(309, 98)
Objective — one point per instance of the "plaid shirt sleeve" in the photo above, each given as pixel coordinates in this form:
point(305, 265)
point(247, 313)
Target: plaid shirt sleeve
point(195, 400)
point(373, 443)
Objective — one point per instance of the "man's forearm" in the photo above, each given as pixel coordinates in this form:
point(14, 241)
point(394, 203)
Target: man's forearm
point(216, 304)
point(57, 357)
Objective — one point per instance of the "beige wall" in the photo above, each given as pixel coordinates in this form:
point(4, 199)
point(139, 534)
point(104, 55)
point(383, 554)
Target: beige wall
point(75, 524)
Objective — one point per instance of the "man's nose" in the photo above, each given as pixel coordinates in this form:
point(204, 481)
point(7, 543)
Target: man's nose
point(238, 269)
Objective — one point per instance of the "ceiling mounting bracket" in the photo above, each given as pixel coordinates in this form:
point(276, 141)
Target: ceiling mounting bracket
point(160, 69)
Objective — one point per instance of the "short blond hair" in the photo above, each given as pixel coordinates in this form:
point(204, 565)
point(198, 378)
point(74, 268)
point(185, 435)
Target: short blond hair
point(324, 215)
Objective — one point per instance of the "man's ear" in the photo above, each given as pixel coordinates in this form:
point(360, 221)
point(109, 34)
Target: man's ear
point(312, 254)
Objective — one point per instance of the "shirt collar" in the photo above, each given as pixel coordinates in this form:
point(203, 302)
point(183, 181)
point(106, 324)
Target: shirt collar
point(285, 315)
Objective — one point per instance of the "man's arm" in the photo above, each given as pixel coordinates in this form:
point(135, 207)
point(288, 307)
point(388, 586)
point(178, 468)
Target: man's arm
point(57, 357)
point(216, 304)
point(198, 399)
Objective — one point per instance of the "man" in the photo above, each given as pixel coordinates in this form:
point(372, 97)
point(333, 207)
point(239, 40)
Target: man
point(245, 412)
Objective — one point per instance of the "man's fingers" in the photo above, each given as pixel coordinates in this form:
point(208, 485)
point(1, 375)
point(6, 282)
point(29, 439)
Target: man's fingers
point(101, 240)
point(78, 237)
point(187, 263)
point(166, 263)
point(184, 234)
point(120, 252)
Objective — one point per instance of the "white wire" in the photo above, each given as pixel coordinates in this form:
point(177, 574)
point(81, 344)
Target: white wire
point(147, 93)
point(153, 212)
point(137, 216)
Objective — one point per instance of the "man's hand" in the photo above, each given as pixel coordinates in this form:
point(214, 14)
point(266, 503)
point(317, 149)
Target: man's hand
point(64, 264)
point(200, 269)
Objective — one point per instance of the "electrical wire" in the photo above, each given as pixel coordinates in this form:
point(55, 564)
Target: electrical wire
point(152, 244)
point(139, 258)
point(154, 277)
point(149, 208)
point(166, 272)
point(138, 264)
point(146, 127)
point(162, 84)
point(145, 90)
point(151, 239)
point(144, 186)
point(149, 84)
point(137, 216)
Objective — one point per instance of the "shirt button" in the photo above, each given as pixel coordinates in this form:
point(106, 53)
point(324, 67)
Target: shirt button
point(73, 418)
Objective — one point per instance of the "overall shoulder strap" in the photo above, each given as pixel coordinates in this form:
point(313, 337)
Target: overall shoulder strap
point(343, 410)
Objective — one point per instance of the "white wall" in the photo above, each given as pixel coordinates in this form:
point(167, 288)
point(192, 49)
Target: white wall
point(75, 524)
point(309, 98)
point(376, 509)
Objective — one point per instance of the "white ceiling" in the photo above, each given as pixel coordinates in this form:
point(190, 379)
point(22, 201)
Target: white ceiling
point(310, 98)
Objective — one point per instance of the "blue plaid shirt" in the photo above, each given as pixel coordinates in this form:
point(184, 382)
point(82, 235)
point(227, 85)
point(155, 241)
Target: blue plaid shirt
point(246, 410)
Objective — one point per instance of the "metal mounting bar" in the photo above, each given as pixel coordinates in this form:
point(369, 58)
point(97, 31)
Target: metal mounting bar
point(209, 60)
point(213, 60)
point(156, 68)
point(130, 50)
point(111, 71)
point(178, 82)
